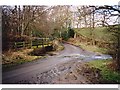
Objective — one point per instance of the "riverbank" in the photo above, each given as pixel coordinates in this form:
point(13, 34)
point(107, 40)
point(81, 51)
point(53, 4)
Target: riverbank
point(12, 58)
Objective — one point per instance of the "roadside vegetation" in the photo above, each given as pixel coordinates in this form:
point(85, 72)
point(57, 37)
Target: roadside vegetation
point(102, 41)
point(87, 47)
point(100, 33)
point(107, 71)
point(11, 58)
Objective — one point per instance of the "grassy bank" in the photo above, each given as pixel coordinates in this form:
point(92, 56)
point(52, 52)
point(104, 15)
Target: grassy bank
point(93, 48)
point(12, 58)
point(100, 33)
point(109, 75)
point(87, 47)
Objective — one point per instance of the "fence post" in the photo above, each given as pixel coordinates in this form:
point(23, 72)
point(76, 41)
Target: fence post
point(15, 45)
point(23, 44)
point(42, 42)
point(30, 43)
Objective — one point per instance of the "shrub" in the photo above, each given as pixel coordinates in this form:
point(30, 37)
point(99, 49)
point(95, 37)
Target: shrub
point(65, 35)
point(71, 33)
point(41, 51)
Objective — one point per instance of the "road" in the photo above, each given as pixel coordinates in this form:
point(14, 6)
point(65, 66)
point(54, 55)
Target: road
point(29, 71)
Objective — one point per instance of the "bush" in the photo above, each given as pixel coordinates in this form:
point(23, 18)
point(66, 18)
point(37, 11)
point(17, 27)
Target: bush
point(49, 48)
point(71, 33)
point(57, 45)
point(41, 51)
point(38, 52)
point(65, 36)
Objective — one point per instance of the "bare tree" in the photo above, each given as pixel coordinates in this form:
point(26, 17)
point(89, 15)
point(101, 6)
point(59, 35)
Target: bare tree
point(110, 10)
point(59, 17)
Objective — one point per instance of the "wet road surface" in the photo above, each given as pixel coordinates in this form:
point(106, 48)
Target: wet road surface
point(44, 70)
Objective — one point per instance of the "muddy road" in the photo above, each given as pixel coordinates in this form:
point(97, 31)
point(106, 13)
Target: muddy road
point(44, 71)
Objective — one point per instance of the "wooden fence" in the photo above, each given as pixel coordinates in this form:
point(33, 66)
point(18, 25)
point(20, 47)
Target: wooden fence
point(40, 42)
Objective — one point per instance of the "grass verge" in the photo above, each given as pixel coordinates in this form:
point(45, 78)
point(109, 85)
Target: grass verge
point(108, 75)
point(93, 48)
point(18, 57)
point(84, 46)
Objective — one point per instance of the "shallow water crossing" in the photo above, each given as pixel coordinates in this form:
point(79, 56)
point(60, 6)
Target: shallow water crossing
point(88, 57)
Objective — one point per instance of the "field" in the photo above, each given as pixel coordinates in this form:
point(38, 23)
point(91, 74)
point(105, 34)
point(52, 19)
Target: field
point(99, 33)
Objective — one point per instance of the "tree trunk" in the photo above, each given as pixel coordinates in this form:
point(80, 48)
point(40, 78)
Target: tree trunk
point(93, 26)
point(118, 53)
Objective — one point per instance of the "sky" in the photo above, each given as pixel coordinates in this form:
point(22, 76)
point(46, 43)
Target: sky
point(111, 21)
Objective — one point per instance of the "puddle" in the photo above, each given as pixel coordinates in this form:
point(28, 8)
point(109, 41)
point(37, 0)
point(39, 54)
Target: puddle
point(102, 57)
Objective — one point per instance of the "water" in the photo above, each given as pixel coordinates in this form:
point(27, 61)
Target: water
point(88, 57)
point(102, 57)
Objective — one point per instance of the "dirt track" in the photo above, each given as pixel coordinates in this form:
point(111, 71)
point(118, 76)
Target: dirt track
point(60, 68)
